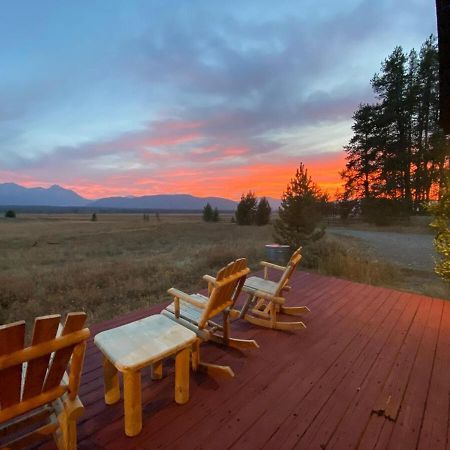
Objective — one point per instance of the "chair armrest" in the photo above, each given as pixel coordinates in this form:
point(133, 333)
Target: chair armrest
point(268, 265)
point(180, 295)
point(212, 282)
point(272, 266)
point(209, 279)
point(269, 297)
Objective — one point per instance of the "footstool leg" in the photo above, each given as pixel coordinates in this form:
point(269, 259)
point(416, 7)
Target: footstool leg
point(157, 370)
point(111, 382)
point(132, 402)
point(182, 376)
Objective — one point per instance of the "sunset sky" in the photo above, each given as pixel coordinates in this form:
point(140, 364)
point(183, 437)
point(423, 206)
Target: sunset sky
point(127, 97)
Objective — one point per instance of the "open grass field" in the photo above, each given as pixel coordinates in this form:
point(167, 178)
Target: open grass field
point(59, 263)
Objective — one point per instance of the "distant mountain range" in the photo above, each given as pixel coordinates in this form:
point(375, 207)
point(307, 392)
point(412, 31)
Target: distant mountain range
point(12, 194)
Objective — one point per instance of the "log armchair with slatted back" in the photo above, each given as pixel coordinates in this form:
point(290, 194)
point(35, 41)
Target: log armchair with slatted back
point(195, 312)
point(265, 297)
point(37, 396)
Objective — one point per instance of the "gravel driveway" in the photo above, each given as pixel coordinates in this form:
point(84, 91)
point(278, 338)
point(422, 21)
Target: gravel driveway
point(414, 251)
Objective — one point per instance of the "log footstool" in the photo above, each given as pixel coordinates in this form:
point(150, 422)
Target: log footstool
point(136, 345)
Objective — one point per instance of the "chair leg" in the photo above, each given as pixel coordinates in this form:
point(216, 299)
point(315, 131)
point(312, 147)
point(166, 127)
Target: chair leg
point(294, 310)
point(242, 343)
point(67, 413)
point(195, 358)
point(274, 325)
point(215, 369)
point(210, 369)
point(70, 434)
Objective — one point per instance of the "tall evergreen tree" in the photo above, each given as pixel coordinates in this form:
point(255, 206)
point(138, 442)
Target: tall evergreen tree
point(300, 212)
point(362, 167)
point(246, 209)
point(208, 213)
point(428, 157)
point(390, 87)
point(397, 151)
point(263, 211)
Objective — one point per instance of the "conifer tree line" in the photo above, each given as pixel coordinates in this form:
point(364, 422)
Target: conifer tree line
point(251, 212)
point(210, 214)
point(397, 152)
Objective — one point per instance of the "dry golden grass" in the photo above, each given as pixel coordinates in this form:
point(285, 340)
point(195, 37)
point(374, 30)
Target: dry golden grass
point(55, 264)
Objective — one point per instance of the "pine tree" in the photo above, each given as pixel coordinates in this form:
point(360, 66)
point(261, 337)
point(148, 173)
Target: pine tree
point(363, 164)
point(300, 212)
point(263, 211)
point(215, 216)
point(208, 213)
point(246, 209)
point(390, 87)
point(397, 153)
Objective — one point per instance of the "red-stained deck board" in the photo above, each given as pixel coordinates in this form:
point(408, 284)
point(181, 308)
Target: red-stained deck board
point(327, 420)
point(314, 388)
point(407, 429)
point(389, 401)
point(293, 414)
point(354, 420)
point(252, 378)
point(288, 369)
point(435, 425)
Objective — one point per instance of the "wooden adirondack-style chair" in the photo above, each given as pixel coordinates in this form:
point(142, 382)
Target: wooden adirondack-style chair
point(37, 396)
point(265, 297)
point(195, 312)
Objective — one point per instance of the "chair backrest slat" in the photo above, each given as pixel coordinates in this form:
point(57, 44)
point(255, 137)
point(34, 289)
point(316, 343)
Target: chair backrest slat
point(290, 267)
point(230, 279)
point(74, 322)
point(12, 338)
point(45, 329)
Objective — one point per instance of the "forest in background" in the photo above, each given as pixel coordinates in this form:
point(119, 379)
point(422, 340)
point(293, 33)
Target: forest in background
point(398, 157)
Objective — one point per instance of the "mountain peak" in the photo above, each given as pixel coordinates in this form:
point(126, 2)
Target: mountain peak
point(14, 194)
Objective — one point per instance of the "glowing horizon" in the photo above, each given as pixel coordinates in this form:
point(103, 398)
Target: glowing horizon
point(268, 180)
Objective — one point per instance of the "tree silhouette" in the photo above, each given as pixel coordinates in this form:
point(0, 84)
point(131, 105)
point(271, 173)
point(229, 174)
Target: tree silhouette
point(263, 211)
point(397, 151)
point(208, 213)
point(246, 209)
point(300, 212)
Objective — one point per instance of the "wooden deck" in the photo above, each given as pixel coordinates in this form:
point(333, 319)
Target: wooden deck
point(372, 370)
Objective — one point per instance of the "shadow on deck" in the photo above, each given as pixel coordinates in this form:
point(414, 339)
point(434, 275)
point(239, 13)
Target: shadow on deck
point(372, 370)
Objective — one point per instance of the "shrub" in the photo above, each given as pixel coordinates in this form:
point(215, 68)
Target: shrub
point(263, 211)
point(246, 209)
point(94, 217)
point(10, 214)
point(340, 258)
point(300, 212)
point(383, 211)
point(441, 211)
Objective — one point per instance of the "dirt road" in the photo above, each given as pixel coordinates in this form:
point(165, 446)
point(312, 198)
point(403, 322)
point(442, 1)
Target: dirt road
point(414, 251)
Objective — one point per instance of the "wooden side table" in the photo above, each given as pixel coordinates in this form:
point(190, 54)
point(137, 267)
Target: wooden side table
point(136, 345)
